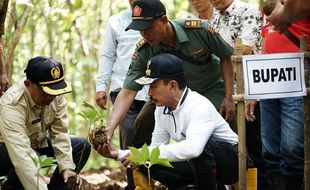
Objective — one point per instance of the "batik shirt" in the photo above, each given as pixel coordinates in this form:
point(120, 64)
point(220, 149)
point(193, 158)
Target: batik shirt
point(239, 20)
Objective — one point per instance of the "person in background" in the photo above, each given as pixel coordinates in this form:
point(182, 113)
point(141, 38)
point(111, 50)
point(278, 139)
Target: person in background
point(33, 122)
point(117, 49)
point(203, 8)
point(293, 10)
point(205, 152)
point(237, 19)
point(282, 119)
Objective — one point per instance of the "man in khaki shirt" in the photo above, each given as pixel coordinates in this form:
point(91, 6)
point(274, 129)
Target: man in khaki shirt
point(33, 120)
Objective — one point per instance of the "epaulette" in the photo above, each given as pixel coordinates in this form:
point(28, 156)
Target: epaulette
point(141, 43)
point(192, 24)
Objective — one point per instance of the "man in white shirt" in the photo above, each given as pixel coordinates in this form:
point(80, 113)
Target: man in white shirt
point(205, 152)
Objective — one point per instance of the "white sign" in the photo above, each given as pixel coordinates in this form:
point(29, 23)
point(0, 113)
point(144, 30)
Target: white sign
point(274, 76)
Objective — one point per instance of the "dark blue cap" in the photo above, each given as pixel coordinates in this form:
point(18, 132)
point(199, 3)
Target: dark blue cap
point(160, 67)
point(144, 12)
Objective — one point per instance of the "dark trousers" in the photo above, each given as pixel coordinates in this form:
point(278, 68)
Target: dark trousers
point(218, 164)
point(126, 130)
point(56, 181)
point(144, 125)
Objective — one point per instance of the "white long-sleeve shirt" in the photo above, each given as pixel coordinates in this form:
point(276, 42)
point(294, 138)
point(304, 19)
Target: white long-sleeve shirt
point(117, 49)
point(191, 125)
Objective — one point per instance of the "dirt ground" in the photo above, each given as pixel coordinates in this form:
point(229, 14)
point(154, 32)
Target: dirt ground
point(106, 179)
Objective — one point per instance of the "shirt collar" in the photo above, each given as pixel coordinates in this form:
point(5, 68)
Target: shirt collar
point(128, 11)
point(181, 37)
point(168, 110)
point(31, 102)
point(230, 9)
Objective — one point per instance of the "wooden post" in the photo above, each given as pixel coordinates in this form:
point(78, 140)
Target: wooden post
point(240, 118)
point(306, 99)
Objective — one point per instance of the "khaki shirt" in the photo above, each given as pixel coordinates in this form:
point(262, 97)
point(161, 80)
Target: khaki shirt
point(21, 125)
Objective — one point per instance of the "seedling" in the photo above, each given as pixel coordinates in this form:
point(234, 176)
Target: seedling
point(143, 157)
point(92, 115)
point(42, 162)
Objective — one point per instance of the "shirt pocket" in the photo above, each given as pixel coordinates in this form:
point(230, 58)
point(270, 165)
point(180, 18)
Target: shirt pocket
point(34, 128)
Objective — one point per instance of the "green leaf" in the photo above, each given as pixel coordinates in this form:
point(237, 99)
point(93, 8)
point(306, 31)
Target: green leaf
point(142, 157)
point(137, 155)
point(42, 158)
point(83, 115)
point(99, 117)
point(163, 162)
point(49, 161)
point(154, 155)
point(135, 160)
point(35, 160)
point(145, 152)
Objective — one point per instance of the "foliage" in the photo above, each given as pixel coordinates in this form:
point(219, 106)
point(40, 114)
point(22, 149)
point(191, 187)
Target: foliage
point(42, 162)
point(71, 32)
point(90, 113)
point(143, 157)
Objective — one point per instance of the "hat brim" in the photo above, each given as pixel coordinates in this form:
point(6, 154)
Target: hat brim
point(56, 89)
point(139, 25)
point(145, 80)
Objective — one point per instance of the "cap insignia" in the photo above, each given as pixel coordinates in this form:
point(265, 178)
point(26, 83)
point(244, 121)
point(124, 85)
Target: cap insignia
point(137, 11)
point(55, 72)
point(192, 24)
point(148, 70)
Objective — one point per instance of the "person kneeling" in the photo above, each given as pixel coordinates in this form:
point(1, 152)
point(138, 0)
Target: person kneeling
point(205, 153)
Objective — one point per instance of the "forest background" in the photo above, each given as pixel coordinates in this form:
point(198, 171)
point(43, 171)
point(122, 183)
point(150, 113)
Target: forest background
point(70, 31)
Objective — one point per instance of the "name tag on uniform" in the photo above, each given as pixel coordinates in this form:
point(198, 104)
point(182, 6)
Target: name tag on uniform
point(35, 121)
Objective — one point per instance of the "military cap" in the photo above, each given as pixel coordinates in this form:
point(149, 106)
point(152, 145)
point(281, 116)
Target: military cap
point(48, 74)
point(160, 67)
point(144, 12)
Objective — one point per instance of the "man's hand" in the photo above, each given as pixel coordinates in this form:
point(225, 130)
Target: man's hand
point(68, 173)
point(4, 83)
point(109, 131)
point(227, 109)
point(127, 163)
point(108, 151)
point(101, 99)
point(279, 20)
point(250, 110)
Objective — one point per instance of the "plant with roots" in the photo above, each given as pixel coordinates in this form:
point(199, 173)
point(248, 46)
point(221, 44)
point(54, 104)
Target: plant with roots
point(144, 157)
point(91, 114)
point(42, 162)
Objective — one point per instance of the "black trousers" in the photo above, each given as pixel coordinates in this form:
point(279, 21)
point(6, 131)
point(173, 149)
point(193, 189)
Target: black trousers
point(218, 164)
point(126, 131)
point(56, 181)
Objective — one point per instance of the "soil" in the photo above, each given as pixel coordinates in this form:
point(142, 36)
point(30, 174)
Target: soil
point(98, 136)
point(106, 179)
point(71, 183)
